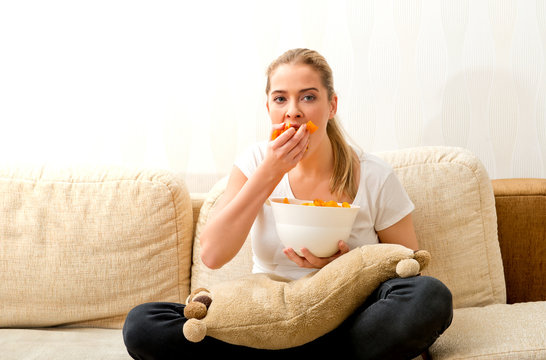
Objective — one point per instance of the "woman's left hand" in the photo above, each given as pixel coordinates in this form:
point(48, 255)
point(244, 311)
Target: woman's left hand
point(308, 260)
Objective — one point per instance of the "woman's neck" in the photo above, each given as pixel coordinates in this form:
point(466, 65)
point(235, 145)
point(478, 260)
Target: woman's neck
point(318, 162)
point(311, 177)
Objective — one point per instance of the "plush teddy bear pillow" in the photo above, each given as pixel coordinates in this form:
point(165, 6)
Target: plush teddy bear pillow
point(269, 312)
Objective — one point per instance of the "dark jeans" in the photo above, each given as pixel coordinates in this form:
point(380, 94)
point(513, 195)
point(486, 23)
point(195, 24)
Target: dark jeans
point(400, 320)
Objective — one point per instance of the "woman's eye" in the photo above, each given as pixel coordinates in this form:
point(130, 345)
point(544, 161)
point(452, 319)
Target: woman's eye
point(309, 97)
point(279, 99)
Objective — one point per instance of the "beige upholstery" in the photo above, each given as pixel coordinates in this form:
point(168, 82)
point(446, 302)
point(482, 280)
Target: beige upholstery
point(496, 332)
point(82, 247)
point(62, 344)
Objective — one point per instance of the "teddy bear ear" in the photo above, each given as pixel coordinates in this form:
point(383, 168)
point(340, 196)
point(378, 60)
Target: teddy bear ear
point(423, 257)
point(194, 330)
point(205, 299)
point(196, 292)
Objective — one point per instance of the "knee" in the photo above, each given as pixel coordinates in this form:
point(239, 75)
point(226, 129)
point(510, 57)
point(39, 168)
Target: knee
point(428, 316)
point(436, 303)
point(135, 334)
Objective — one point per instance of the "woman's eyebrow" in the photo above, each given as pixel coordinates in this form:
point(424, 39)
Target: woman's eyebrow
point(309, 89)
point(302, 90)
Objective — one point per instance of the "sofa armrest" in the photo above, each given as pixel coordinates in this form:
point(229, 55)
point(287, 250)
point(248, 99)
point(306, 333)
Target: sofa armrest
point(521, 218)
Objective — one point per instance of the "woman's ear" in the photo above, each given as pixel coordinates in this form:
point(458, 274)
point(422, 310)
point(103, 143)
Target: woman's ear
point(333, 106)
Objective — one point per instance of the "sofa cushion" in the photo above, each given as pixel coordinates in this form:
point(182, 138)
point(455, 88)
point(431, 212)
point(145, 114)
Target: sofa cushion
point(241, 264)
point(455, 220)
point(496, 332)
point(81, 247)
point(62, 344)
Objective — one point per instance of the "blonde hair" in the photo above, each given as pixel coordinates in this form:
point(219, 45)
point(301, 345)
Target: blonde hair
point(343, 180)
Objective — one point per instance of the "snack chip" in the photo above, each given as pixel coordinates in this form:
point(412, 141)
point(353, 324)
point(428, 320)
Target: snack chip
point(320, 202)
point(310, 126)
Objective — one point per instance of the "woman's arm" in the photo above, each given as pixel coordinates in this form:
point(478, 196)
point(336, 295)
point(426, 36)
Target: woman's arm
point(233, 216)
point(403, 233)
point(228, 228)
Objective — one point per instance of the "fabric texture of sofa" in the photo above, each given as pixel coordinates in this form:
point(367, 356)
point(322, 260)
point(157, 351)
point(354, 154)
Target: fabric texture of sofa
point(80, 247)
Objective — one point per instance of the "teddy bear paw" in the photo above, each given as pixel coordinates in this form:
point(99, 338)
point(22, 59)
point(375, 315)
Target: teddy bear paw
point(197, 304)
point(194, 330)
point(407, 267)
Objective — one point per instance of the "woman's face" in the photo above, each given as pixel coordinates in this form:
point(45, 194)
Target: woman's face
point(297, 96)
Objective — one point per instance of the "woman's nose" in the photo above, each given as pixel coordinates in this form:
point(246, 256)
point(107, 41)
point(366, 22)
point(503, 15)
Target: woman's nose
point(293, 113)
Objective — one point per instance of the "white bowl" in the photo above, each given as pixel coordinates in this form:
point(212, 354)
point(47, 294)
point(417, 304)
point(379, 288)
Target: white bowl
point(317, 228)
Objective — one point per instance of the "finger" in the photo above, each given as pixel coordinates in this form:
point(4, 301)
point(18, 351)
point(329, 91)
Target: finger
point(283, 140)
point(286, 135)
point(299, 260)
point(276, 130)
point(302, 131)
point(314, 260)
point(281, 127)
point(299, 141)
point(291, 254)
point(343, 247)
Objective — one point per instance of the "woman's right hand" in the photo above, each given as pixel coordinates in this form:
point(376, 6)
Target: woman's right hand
point(243, 198)
point(284, 152)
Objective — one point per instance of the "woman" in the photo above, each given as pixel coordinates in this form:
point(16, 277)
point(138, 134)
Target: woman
point(402, 318)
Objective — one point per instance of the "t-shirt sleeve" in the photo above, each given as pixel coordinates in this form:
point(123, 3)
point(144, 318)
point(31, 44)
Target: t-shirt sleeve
point(249, 159)
point(393, 203)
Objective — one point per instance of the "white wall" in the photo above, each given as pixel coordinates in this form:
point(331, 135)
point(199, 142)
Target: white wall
point(179, 84)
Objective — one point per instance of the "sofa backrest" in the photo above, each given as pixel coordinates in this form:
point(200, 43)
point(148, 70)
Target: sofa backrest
point(81, 247)
point(454, 218)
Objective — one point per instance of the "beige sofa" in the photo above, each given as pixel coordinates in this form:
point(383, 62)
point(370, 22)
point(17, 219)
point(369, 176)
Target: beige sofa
point(80, 247)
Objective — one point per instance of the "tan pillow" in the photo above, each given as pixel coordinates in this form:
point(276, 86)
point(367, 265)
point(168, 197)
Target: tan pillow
point(82, 247)
point(455, 220)
point(274, 313)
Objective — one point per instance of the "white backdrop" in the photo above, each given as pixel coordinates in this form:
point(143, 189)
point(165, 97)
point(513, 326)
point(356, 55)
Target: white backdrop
point(180, 84)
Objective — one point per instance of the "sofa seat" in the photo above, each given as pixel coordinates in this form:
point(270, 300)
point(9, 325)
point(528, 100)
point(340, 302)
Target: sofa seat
point(498, 331)
point(62, 343)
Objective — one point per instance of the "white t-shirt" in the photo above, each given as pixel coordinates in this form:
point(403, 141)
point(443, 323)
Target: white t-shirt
point(382, 199)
